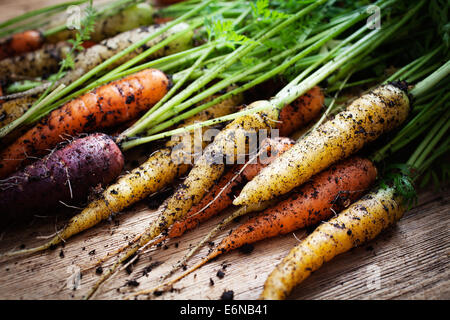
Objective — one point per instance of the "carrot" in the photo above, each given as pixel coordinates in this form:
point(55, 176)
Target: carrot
point(95, 55)
point(43, 61)
point(325, 194)
point(106, 106)
point(13, 109)
point(161, 168)
point(65, 175)
point(368, 117)
point(222, 194)
point(21, 42)
point(359, 223)
point(204, 173)
point(301, 111)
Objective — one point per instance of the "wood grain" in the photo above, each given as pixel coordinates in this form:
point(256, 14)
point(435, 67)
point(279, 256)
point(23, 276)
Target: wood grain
point(412, 258)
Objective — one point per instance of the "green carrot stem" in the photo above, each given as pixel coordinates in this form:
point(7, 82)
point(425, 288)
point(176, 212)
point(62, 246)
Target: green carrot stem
point(364, 46)
point(125, 145)
point(423, 72)
point(415, 127)
point(438, 152)
point(241, 51)
point(406, 71)
point(430, 141)
point(181, 81)
point(317, 44)
point(431, 81)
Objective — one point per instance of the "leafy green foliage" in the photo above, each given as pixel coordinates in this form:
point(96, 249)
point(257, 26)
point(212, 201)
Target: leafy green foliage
point(400, 176)
point(84, 34)
point(223, 31)
point(262, 11)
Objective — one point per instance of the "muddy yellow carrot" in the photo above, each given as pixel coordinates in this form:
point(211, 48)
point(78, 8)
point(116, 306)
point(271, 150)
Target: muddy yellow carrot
point(361, 222)
point(367, 118)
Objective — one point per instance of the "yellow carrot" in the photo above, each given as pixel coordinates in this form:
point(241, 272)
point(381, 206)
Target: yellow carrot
point(367, 118)
point(359, 223)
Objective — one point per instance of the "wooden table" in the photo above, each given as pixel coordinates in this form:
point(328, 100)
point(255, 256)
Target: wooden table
point(412, 259)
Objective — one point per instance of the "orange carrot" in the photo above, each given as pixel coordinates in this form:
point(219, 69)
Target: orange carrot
point(301, 111)
point(20, 43)
point(106, 106)
point(325, 194)
point(222, 194)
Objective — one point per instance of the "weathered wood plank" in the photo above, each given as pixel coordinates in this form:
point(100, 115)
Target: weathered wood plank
point(412, 259)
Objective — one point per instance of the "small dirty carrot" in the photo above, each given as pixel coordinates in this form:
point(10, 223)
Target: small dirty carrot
point(20, 43)
point(13, 109)
point(106, 106)
point(38, 63)
point(65, 175)
point(325, 194)
point(361, 222)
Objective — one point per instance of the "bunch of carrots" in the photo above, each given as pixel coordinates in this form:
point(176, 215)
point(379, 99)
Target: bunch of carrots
point(153, 78)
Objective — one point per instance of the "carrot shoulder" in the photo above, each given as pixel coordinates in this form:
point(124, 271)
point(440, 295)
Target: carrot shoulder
point(106, 106)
